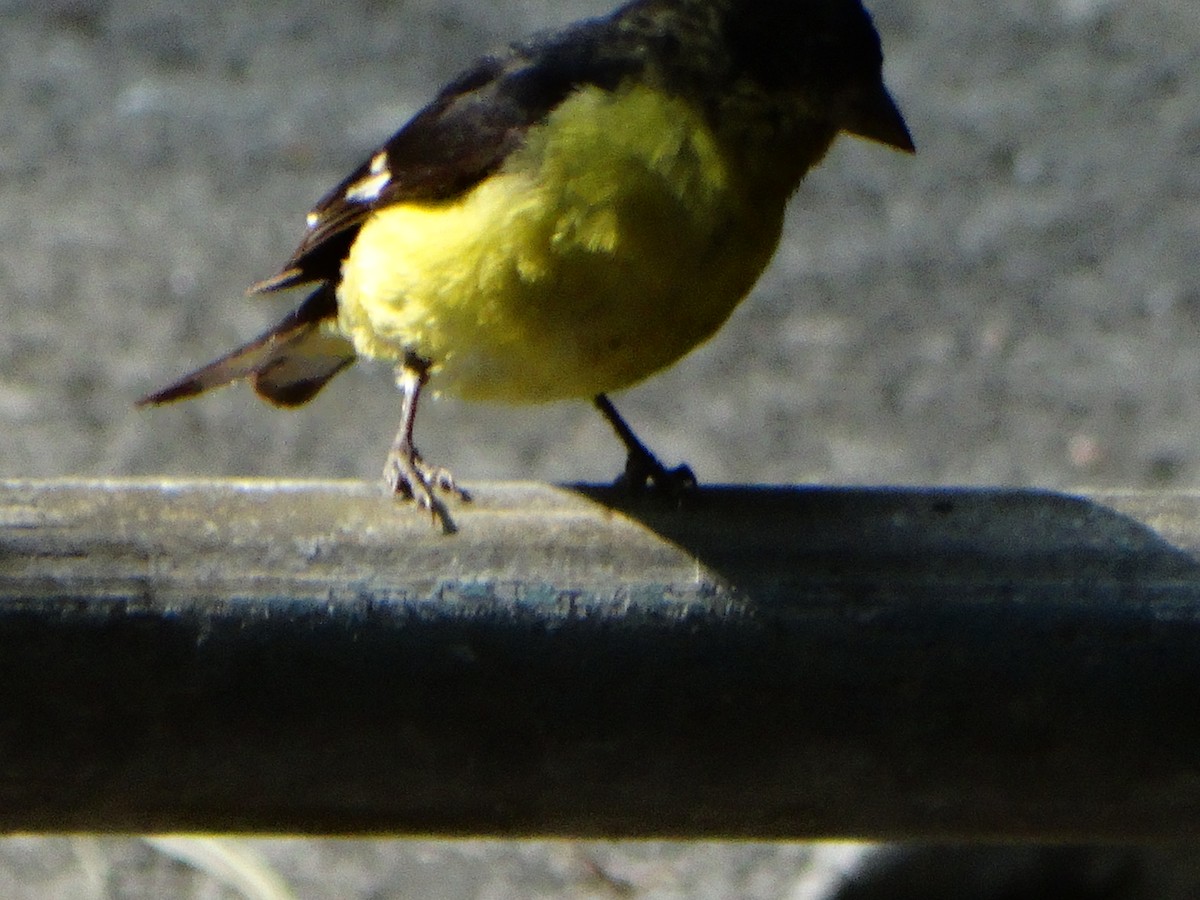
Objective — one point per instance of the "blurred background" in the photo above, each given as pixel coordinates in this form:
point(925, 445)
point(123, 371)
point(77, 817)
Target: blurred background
point(1017, 304)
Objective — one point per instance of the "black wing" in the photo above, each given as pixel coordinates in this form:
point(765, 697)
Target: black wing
point(460, 138)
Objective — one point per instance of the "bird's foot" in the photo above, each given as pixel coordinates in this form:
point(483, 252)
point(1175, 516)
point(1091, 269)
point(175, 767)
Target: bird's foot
point(643, 472)
point(407, 474)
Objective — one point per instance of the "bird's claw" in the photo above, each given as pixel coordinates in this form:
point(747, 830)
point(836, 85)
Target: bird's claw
point(407, 474)
point(643, 472)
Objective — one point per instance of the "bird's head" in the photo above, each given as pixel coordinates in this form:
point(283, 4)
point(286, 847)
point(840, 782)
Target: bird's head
point(824, 54)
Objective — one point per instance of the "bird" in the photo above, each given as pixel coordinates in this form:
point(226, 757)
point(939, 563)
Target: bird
point(570, 215)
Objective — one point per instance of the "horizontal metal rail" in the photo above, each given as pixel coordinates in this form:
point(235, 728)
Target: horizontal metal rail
point(762, 662)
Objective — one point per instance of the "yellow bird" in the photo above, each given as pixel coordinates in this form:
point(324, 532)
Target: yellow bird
point(571, 215)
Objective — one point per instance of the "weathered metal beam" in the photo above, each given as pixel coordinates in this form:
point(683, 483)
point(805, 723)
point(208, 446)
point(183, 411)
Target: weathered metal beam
point(764, 662)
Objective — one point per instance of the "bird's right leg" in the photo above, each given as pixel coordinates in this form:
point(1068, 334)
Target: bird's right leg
point(405, 472)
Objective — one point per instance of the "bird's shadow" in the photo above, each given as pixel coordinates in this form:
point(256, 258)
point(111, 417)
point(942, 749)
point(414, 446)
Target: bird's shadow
point(769, 540)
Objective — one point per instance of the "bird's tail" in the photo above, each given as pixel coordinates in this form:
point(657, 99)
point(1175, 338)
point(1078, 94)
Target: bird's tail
point(286, 364)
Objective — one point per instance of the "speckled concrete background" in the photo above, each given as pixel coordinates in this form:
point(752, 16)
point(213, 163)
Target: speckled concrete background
point(1017, 304)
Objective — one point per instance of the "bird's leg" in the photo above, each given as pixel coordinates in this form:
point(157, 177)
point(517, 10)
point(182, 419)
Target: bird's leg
point(405, 472)
point(642, 467)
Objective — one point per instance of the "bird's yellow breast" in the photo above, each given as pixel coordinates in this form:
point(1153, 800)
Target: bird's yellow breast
point(617, 238)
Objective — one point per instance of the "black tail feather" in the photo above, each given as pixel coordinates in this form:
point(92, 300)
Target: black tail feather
point(287, 364)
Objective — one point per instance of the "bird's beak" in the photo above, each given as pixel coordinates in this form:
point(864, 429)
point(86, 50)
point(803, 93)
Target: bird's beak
point(875, 116)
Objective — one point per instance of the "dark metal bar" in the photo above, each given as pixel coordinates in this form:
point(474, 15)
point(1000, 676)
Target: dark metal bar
point(775, 662)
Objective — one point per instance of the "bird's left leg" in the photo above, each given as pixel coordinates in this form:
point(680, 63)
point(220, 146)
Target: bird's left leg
point(405, 472)
point(642, 468)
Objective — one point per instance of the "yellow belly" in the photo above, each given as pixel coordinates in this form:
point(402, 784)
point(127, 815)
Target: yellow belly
point(618, 238)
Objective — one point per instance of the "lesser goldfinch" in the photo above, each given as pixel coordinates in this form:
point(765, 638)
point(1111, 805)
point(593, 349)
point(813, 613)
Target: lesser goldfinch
point(570, 215)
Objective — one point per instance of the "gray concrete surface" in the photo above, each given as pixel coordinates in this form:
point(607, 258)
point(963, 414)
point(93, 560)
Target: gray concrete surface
point(1017, 304)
